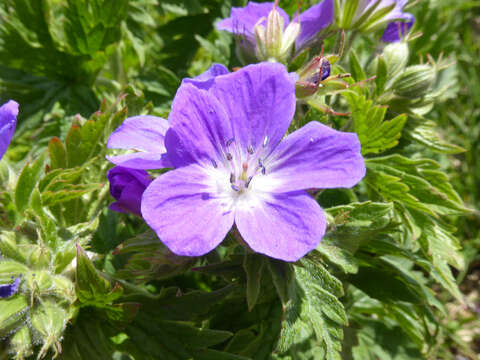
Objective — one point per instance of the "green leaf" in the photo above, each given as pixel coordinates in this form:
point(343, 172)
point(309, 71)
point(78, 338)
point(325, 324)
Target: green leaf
point(282, 276)
point(415, 183)
point(313, 311)
point(26, 182)
point(58, 154)
point(375, 134)
point(93, 289)
point(12, 312)
point(356, 224)
point(355, 68)
point(426, 134)
point(253, 265)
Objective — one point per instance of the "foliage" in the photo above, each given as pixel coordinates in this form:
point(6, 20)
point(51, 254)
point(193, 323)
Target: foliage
point(396, 275)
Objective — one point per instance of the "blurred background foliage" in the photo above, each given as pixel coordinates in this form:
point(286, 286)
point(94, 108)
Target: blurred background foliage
point(61, 58)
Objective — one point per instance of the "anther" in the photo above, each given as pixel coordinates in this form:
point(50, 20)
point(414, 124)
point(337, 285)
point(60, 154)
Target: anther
point(214, 163)
point(229, 142)
point(250, 149)
point(235, 187)
point(265, 141)
point(232, 178)
point(248, 182)
point(229, 157)
point(264, 171)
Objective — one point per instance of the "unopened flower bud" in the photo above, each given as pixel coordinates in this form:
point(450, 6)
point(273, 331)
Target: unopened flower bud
point(311, 75)
point(415, 81)
point(274, 43)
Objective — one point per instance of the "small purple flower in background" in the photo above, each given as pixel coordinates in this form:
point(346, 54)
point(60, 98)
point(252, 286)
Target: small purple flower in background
point(232, 167)
point(396, 31)
point(266, 32)
point(127, 187)
point(144, 133)
point(7, 290)
point(8, 122)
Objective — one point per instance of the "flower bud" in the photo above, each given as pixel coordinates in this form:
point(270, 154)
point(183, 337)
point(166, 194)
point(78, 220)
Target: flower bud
point(311, 75)
point(127, 187)
point(39, 257)
point(274, 43)
point(415, 81)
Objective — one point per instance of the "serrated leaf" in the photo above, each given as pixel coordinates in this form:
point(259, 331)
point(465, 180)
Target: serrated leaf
point(313, 311)
point(93, 289)
point(426, 134)
point(375, 134)
point(64, 191)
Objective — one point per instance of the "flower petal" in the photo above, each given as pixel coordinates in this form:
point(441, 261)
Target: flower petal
point(144, 132)
point(315, 156)
point(199, 127)
point(397, 30)
point(142, 160)
point(8, 122)
point(260, 103)
point(312, 20)
point(283, 226)
point(187, 217)
point(8, 290)
point(205, 80)
point(242, 20)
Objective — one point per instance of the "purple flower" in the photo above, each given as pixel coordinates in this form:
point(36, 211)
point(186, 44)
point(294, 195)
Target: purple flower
point(232, 166)
point(8, 290)
point(127, 187)
point(247, 21)
point(396, 31)
point(8, 122)
point(144, 133)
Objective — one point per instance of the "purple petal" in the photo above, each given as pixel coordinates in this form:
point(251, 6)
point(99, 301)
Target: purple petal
point(243, 20)
point(187, 217)
point(8, 122)
point(283, 226)
point(8, 290)
point(312, 21)
point(396, 31)
point(315, 156)
point(127, 187)
point(260, 103)
point(199, 127)
point(205, 80)
point(142, 160)
point(144, 132)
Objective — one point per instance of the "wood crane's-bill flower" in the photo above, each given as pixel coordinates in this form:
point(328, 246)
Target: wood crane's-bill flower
point(264, 30)
point(8, 122)
point(233, 166)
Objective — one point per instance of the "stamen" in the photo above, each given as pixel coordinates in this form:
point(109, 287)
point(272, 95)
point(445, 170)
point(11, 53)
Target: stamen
point(250, 149)
point(260, 164)
point(247, 183)
point(232, 178)
point(229, 157)
point(235, 187)
point(245, 166)
point(265, 141)
point(229, 142)
point(214, 163)
point(264, 171)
